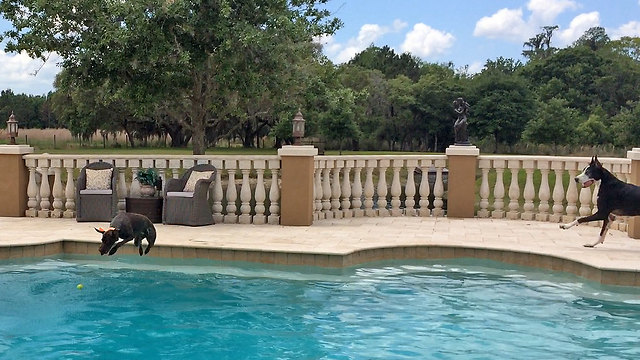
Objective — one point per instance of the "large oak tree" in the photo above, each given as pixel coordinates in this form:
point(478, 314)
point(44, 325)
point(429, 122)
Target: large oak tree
point(148, 51)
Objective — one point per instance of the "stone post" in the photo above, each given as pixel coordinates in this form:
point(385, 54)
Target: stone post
point(462, 181)
point(297, 198)
point(634, 222)
point(14, 178)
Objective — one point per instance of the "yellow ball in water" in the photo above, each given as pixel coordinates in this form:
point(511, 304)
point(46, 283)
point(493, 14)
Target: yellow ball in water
point(80, 286)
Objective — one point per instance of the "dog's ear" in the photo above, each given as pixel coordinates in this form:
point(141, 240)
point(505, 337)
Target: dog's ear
point(598, 163)
point(100, 230)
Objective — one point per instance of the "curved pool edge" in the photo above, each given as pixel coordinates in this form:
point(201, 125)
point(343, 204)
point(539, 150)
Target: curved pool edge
point(543, 260)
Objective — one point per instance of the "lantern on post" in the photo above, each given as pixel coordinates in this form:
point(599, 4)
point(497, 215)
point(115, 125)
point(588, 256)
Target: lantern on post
point(12, 129)
point(298, 128)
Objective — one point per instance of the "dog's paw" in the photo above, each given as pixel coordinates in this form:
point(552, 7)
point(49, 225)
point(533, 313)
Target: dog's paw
point(563, 226)
point(589, 245)
point(113, 251)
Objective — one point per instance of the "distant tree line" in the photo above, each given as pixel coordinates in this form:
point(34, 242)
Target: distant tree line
point(204, 71)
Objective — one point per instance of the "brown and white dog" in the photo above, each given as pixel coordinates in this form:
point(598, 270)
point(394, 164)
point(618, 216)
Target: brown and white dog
point(127, 226)
point(615, 197)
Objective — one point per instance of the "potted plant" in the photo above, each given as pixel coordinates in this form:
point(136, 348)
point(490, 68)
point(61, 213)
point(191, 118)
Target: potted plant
point(148, 179)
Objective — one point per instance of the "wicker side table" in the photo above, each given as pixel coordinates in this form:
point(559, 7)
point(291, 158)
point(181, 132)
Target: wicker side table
point(149, 206)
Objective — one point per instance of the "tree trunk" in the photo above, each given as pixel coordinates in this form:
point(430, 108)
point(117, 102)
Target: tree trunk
point(199, 136)
point(198, 118)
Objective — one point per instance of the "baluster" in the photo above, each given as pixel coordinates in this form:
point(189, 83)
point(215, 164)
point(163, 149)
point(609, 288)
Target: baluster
point(121, 167)
point(410, 189)
point(218, 193)
point(69, 191)
point(58, 190)
point(424, 188)
point(543, 192)
point(585, 202)
point(45, 191)
point(558, 192)
point(382, 188)
point(274, 193)
point(621, 221)
point(572, 193)
point(594, 197)
point(232, 192)
point(396, 188)
point(438, 189)
point(356, 190)
point(175, 165)
point(498, 190)
point(32, 190)
point(594, 200)
point(326, 190)
point(529, 191)
point(319, 215)
point(260, 194)
point(346, 189)
point(514, 190)
point(335, 190)
point(245, 193)
point(134, 188)
point(369, 189)
point(484, 166)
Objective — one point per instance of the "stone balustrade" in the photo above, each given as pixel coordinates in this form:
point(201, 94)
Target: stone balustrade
point(381, 185)
point(514, 187)
point(553, 196)
point(253, 199)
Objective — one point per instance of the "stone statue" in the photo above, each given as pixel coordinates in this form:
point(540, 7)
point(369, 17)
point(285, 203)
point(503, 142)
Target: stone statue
point(460, 126)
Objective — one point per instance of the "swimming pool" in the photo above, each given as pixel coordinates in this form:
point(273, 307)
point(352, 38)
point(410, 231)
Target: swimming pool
point(140, 309)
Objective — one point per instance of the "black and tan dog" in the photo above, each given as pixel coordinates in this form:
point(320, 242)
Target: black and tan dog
point(615, 197)
point(127, 226)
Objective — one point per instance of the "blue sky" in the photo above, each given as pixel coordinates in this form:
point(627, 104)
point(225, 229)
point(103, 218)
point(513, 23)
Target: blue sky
point(466, 32)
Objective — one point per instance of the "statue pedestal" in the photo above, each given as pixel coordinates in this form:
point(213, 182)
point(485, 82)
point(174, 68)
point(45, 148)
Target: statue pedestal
point(462, 180)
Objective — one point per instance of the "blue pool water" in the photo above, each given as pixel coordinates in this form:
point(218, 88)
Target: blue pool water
point(140, 309)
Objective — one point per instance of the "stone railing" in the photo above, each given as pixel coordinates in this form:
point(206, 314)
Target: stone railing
point(385, 185)
point(554, 197)
point(344, 186)
point(253, 199)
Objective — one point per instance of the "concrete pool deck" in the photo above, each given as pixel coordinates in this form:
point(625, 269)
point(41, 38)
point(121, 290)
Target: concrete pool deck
point(348, 242)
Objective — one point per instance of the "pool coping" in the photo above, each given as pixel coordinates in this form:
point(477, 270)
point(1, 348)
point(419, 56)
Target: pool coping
point(341, 243)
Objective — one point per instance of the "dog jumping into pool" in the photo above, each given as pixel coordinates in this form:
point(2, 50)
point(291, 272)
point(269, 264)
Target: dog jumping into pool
point(615, 197)
point(127, 226)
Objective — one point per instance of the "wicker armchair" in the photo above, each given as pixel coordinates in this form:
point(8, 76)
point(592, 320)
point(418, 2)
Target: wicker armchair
point(96, 196)
point(186, 199)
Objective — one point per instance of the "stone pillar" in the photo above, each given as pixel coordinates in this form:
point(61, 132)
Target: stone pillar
point(634, 222)
point(297, 198)
point(462, 181)
point(14, 178)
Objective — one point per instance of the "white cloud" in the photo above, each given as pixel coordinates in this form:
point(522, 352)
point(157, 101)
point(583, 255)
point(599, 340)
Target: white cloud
point(18, 70)
point(577, 27)
point(505, 24)
point(510, 24)
point(631, 28)
point(367, 35)
point(425, 41)
point(475, 67)
point(544, 11)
